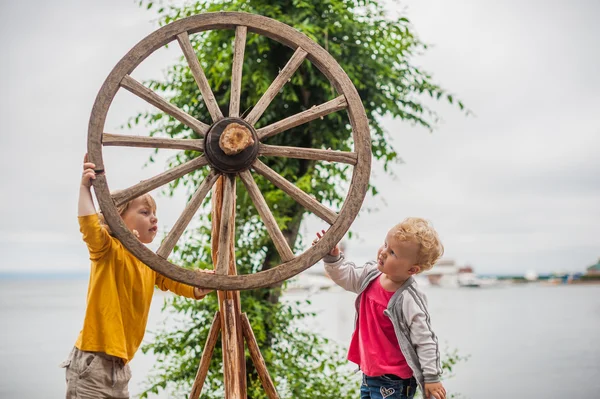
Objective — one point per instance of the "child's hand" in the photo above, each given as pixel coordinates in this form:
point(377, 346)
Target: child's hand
point(88, 172)
point(435, 390)
point(200, 293)
point(335, 251)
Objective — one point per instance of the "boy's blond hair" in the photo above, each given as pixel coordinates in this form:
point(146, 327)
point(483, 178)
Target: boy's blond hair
point(421, 231)
point(123, 207)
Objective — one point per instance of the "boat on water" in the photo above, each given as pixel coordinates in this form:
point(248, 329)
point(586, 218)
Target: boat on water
point(446, 273)
point(471, 280)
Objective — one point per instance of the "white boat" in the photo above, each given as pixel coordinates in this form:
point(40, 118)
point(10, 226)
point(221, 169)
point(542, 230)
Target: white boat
point(531, 275)
point(472, 280)
point(445, 273)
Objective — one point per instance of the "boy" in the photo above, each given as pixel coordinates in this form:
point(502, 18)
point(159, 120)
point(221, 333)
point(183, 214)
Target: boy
point(393, 343)
point(119, 295)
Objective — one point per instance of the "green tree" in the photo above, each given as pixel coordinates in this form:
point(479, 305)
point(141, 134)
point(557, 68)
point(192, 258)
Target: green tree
point(376, 52)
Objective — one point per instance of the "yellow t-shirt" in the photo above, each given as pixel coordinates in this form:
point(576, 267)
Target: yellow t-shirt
point(119, 294)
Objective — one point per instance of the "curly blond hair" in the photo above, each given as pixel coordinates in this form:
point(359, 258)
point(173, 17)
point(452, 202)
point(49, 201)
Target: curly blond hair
point(420, 231)
point(123, 208)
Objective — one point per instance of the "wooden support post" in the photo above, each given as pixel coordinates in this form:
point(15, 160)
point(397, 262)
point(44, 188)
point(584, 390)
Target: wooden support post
point(257, 359)
point(231, 348)
point(211, 341)
point(234, 377)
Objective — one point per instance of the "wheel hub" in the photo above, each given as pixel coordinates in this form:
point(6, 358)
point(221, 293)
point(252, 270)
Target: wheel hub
point(231, 145)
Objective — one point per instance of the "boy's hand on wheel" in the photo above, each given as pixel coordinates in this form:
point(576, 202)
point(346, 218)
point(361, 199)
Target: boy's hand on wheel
point(335, 251)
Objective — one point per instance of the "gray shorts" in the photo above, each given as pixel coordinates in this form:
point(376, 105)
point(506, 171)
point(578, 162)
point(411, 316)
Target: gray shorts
point(96, 375)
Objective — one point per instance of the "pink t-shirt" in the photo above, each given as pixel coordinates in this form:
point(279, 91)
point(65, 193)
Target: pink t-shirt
point(374, 346)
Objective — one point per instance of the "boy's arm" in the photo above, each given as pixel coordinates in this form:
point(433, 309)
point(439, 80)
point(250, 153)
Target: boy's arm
point(86, 203)
point(421, 335)
point(96, 238)
point(166, 284)
point(345, 274)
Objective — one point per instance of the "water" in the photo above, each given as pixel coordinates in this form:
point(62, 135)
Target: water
point(522, 341)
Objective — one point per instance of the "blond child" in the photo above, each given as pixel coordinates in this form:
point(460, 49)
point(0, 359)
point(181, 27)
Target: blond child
point(393, 343)
point(118, 301)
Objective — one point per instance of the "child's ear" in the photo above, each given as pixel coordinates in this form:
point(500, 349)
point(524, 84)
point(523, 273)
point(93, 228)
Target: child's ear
point(415, 269)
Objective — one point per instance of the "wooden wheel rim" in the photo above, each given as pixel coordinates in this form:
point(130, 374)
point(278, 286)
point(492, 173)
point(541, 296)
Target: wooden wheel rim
point(279, 32)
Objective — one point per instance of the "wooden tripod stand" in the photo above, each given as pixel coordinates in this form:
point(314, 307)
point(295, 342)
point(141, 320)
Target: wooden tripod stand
point(233, 325)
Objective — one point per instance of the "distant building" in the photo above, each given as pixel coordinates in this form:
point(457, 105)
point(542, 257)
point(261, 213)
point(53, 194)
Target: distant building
point(594, 270)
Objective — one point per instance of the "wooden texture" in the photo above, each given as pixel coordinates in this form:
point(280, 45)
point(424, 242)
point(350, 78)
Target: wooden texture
point(231, 347)
point(145, 186)
point(235, 139)
point(191, 208)
point(239, 47)
point(298, 195)
point(310, 114)
point(199, 76)
point(223, 296)
point(207, 352)
point(257, 359)
point(227, 228)
point(320, 59)
point(308, 153)
point(281, 79)
point(121, 140)
point(151, 97)
point(267, 217)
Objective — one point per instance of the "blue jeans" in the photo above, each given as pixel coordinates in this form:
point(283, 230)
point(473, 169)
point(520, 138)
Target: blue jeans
point(387, 386)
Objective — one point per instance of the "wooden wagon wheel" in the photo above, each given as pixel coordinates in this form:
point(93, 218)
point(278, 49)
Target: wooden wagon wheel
point(213, 149)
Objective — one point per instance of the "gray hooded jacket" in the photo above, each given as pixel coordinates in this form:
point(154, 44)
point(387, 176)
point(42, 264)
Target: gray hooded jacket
point(407, 311)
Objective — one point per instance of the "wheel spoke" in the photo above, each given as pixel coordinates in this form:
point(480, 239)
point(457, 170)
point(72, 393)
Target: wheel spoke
point(120, 140)
point(145, 186)
point(151, 97)
point(313, 113)
point(298, 195)
point(199, 76)
point(227, 224)
point(239, 47)
point(308, 153)
point(190, 210)
point(267, 217)
point(277, 84)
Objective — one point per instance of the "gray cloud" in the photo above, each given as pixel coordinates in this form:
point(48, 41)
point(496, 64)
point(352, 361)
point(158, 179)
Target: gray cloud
point(514, 188)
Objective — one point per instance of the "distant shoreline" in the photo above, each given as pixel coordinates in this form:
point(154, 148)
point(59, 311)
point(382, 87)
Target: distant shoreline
point(74, 275)
point(84, 275)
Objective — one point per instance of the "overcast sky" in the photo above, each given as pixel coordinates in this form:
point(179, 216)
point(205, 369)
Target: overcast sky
point(515, 188)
